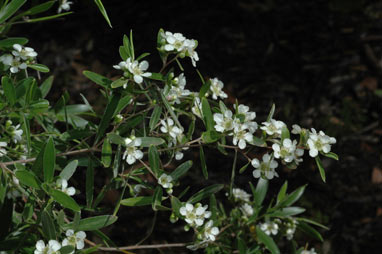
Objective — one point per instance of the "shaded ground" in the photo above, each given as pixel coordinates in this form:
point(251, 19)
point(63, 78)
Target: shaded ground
point(319, 61)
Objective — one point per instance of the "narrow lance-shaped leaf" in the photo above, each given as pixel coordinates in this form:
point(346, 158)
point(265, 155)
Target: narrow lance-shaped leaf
point(89, 183)
point(181, 170)
point(28, 178)
point(39, 67)
point(203, 163)
point(137, 201)
point(207, 114)
point(110, 108)
point(48, 225)
point(103, 11)
point(261, 191)
point(154, 160)
point(206, 192)
point(93, 223)
point(320, 168)
point(69, 170)
point(49, 161)
point(309, 230)
point(267, 241)
point(64, 200)
point(9, 90)
point(155, 117)
point(282, 192)
point(98, 79)
point(7, 11)
point(107, 153)
point(157, 198)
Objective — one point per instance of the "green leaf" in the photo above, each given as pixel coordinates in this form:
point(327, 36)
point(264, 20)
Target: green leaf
point(68, 249)
point(137, 201)
point(28, 178)
point(38, 8)
point(98, 79)
point(7, 11)
point(154, 160)
point(69, 170)
point(287, 211)
point(27, 131)
point(181, 170)
point(155, 116)
point(122, 104)
point(93, 223)
point(110, 108)
point(116, 139)
point(48, 225)
point(284, 133)
point(103, 11)
point(117, 161)
point(203, 163)
point(267, 241)
point(320, 168)
point(207, 115)
point(309, 231)
point(49, 161)
point(331, 155)
point(89, 183)
point(171, 111)
point(243, 168)
point(313, 222)
point(261, 191)
point(211, 136)
point(48, 17)
point(123, 54)
point(119, 82)
point(107, 153)
point(293, 197)
point(271, 113)
point(282, 192)
point(176, 204)
point(156, 76)
point(64, 200)
point(8, 43)
point(204, 89)
point(9, 90)
point(148, 141)
point(157, 198)
point(205, 193)
point(39, 67)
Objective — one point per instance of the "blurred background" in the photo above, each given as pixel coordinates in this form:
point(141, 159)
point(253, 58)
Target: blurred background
point(319, 61)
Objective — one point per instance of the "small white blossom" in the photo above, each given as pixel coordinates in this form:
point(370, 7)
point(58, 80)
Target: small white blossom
point(241, 136)
point(269, 228)
point(15, 132)
point(247, 210)
point(195, 215)
point(74, 239)
point(287, 151)
point(273, 127)
point(3, 151)
point(266, 168)
point(6, 59)
point(190, 46)
point(210, 232)
point(63, 184)
point(138, 70)
point(15, 63)
point(178, 155)
point(65, 5)
point(177, 90)
point(132, 153)
point(166, 181)
point(53, 247)
point(296, 129)
point(291, 228)
point(248, 117)
point(174, 41)
point(319, 142)
point(216, 89)
point(311, 251)
point(169, 127)
point(224, 122)
point(240, 195)
point(197, 108)
point(25, 53)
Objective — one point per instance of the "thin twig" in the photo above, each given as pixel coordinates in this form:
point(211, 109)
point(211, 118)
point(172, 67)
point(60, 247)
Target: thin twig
point(137, 247)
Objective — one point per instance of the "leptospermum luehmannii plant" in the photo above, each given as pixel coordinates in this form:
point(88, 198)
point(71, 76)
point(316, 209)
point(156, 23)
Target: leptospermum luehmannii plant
point(147, 127)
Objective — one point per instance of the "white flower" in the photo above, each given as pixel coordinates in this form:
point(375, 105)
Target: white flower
point(247, 210)
point(195, 215)
point(224, 122)
point(287, 151)
point(273, 127)
point(166, 181)
point(240, 195)
point(197, 108)
point(216, 89)
point(177, 90)
point(174, 41)
point(24, 53)
point(248, 117)
point(210, 232)
point(6, 59)
point(169, 127)
point(131, 153)
point(134, 68)
point(319, 143)
point(63, 184)
point(291, 228)
point(74, 239)
point(16, 133)
point(269, 228)
point(2, 148)
point(311, 251)
point(16, 64)
point(241, 136)
point(178, 155)
point(266, 168)
point(53, 247)
point(190, 46)
point(65, 5)
point(296, 129)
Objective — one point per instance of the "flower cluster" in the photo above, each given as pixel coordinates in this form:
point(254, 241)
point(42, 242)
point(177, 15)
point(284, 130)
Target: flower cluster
point(195, 216)
point(319, 142)
point(135, 69)
point(269, 228)
point(53, 247)
point(178, 44)
point(288, 151)
point(19, 59)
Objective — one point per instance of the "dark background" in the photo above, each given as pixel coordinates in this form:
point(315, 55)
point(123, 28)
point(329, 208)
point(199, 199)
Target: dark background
point(318, 61)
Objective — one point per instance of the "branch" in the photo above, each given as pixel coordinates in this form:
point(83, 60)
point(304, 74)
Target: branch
point(137, 247)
